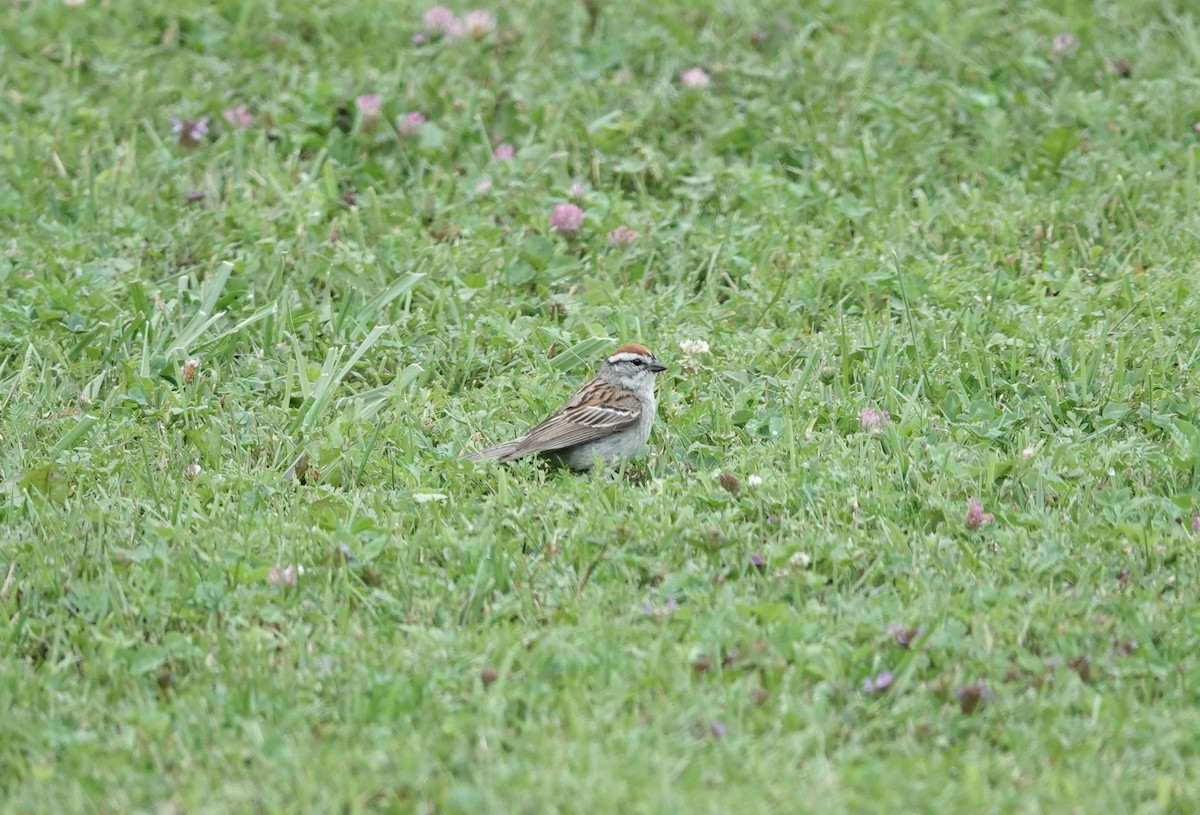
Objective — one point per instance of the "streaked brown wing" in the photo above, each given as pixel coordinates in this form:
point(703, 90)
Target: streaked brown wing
point(580, 422)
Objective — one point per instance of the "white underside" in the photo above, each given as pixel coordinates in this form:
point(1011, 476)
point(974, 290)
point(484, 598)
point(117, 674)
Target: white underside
point(620, 446)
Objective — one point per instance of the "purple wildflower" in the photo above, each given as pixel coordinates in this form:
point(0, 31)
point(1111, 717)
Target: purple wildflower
point(695, 79)
point(1196, 524)
point(875, 685)
point(623, 236)
point(718, 730)
point(873, 420)
point(285, 576)
point(976, 517)
point(190, 131)
point(503, 152)
point(239, 117)
point(369, 104)
point(566, 219)
point(418, 39)
point(1064, 43)
point(970, 697)
point(903, 635)
point(410, 123)
point(669, 608)
point(577, 192)
point(441, 21)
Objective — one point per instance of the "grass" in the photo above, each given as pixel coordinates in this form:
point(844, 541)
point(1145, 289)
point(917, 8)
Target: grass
point(915, 207)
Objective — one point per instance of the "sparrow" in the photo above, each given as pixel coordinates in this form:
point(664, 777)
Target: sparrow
point(607, 420)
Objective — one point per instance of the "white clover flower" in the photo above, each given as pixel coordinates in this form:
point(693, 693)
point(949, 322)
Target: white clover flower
point(695, 78)
point(691, 350)
point(479, 23)
point(189, 369)
point(798, 562)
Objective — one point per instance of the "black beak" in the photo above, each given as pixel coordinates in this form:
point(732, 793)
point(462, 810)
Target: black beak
point(656, 367)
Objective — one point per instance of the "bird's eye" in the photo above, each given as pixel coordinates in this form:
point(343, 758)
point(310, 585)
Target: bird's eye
point(638, 362)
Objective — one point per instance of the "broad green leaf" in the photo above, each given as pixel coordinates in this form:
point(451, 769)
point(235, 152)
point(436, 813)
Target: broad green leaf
point(585, 353)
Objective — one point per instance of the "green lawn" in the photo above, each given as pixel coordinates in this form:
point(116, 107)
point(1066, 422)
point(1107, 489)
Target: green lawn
point(262, 581)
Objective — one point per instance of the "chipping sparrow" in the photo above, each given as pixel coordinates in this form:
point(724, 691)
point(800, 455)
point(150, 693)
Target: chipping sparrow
point(609, 418)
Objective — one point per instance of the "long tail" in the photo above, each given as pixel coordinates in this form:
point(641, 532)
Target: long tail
point(504, 452)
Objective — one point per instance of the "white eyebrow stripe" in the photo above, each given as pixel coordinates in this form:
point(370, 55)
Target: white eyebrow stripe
point(624, 356)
